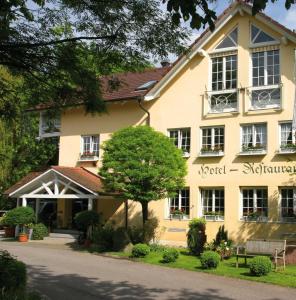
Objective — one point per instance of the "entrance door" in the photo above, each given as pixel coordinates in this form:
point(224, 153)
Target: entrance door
point(78, 205)
point(48, 213)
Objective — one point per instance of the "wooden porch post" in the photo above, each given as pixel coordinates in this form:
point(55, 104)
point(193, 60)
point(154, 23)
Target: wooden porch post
point(90, 204)
point(17, 202)
point(24, 202)
point(37, 208)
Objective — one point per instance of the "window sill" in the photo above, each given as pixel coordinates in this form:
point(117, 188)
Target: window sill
point(178, 218)
point(186, 155)
point(252, 153)
point(95, 158)
point(268, 107)
point(211, 154)
point(213, 218)
point(255, 220)
point(224, 111)
point(286, 151)
point(50, 134)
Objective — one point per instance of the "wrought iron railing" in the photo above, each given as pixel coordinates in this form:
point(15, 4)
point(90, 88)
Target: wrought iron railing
point(264, 97)
point(223, 101)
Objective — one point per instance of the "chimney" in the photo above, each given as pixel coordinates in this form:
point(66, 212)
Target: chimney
point(165, 63)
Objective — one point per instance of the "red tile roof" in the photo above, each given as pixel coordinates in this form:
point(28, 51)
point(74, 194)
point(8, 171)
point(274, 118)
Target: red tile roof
point(80, 175)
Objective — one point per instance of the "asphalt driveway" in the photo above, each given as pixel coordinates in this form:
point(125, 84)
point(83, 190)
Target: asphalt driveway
point(66, 274)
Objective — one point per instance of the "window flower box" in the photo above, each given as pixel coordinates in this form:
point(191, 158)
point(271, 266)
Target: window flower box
point(214, 216)
point(288, 148)
point(258, 149)
point(255, 217)
point(216, 151)
point(89, 156)
point(178, 214)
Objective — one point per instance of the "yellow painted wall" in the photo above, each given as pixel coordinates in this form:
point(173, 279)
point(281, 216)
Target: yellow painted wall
point(183, 104)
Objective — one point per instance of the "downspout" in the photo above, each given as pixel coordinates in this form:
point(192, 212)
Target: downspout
point(145, 110)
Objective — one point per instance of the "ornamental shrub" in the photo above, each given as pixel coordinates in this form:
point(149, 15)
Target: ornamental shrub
point(170, 255)
point(196, 236)
point(19, 216)
point(86, 218)
point(140, 250)
point(260, 265)
point(103, 237)
point(209, 260)
point(40, 231)
point(157, 247)
point(13, 274)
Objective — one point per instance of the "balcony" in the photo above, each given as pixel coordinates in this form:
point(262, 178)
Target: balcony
point(287, 149)
point(89, 156)
point(217, 151)
point(49, 126)
point(265, 97)
point(257, 149)
point(223, 101)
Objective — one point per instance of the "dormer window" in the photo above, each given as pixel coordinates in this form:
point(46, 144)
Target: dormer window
point(229, 41)
point(258, 36)
point(49, 126)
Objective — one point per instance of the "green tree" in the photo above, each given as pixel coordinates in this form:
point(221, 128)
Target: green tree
point(60, 47)
point(142, 165)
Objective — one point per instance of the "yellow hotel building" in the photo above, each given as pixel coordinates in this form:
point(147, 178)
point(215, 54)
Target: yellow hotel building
point(228, 103)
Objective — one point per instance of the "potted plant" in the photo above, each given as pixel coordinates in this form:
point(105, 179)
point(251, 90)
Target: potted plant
point(9, 230)
point(177, 213)
point(86, 221)
point(20, 216)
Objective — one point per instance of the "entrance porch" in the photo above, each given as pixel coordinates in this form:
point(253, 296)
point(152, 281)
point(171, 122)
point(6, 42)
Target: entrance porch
point(57, 194)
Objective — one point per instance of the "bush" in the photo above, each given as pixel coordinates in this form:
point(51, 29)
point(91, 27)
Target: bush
point(19, 216)
point(196, 236)
point(86, 218)
point(121, 240)
point(260, 265)
point(103, 237)
point(222, 235)
point(13, 274)
point(209, 260)
point(170, 255)
point(157, 248)
point(40, 231)
point(140, 250)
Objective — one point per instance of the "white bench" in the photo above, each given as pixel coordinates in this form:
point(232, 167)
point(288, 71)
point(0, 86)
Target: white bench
point(272, 248)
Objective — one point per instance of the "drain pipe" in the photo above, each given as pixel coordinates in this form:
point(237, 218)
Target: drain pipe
point(145, 110)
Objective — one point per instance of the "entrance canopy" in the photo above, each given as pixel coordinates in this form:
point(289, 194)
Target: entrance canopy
point(57, 182)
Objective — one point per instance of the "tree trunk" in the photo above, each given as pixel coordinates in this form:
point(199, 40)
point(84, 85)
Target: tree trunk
point(145, 218)
point(126, 213)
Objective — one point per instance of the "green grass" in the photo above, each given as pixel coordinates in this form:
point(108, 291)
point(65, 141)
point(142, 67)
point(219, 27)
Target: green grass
point(225, 268)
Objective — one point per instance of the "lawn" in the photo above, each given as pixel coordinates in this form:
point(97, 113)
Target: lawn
point(225, 268)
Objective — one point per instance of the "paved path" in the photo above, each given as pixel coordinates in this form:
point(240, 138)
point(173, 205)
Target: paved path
point(65, 274)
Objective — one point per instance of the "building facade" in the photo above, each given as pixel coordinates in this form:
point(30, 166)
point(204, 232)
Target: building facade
point(228, 104)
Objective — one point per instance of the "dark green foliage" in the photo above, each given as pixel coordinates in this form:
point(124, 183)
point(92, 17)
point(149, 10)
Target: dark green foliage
point(13, 274)
point(222, 235)
point(196, 236)
point(136, 231)
point(143, 165)
point(87, 218)
point(170, 255)
point(19, 216)
point(260, 265)
point(120, 239)
point(40, 231)
point(140, 250)
point(103, 237)
point(209, 260)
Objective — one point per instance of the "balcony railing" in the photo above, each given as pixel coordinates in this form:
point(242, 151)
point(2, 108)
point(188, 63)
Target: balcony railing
point(223, 101)
point(265, 97)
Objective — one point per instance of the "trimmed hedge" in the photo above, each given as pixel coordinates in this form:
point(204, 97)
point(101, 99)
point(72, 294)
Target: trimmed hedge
point(140, 250)
point(170, 255)
point(86, 218)
point(40, 231)
point(13, 274)
point(209, 260)
point(260, 265)
point(19, 216)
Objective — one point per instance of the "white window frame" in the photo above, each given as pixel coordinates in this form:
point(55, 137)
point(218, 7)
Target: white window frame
point(211, 217)
point(265, 86)
point(211, 152)
point(42, 127)
point(287, 219)
point(286, 150)
point(255, 189)
point(223, 91)
point(255, 45)
point(179, 195)
point(180, 136)
point(90, 157)
point(252, 152)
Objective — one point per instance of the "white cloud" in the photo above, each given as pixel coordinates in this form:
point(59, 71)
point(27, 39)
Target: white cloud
point(290, 18)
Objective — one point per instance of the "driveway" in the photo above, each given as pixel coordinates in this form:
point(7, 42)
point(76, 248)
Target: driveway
point(66, 274)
